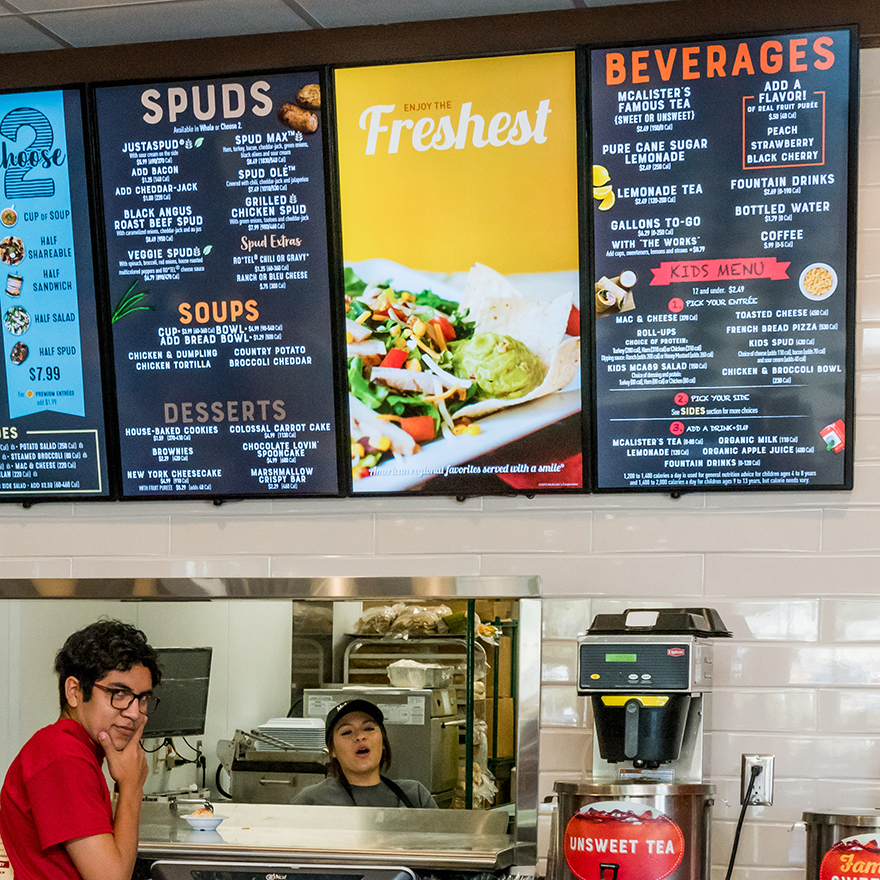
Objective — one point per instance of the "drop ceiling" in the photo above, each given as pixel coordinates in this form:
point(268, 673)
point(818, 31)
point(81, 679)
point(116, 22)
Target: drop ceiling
point(35, 25)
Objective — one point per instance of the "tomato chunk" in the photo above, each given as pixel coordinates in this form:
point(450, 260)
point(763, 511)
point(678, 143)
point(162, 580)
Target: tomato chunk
point(446, 328)
point(420, 428)
point(573, 327)
point(395, 358)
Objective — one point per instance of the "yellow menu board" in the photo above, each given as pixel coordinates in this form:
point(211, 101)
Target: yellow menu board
point(445, 164)
point(459, 197)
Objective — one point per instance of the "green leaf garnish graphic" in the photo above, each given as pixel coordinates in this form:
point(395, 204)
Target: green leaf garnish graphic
point(131, 302)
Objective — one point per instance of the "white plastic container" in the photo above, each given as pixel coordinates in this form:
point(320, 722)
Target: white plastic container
point(411, 674)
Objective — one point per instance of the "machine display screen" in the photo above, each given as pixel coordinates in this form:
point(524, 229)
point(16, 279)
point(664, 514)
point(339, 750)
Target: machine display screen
point(619, 665)
point(183, 692)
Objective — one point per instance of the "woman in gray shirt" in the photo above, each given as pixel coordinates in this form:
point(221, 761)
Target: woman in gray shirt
point(359, 750)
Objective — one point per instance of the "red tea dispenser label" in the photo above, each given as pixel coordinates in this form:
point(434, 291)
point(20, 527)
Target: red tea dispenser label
point(851, 858)
point(622, 840)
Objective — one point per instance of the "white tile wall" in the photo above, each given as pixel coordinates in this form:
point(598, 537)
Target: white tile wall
point(796, 576)
point(857, 712)
point(634, 531)
point(868, 439)
point(782, 710)
point(771, 621)
point(413, 565)
point(192, 566)
point(847, 621)
point(558, 663)
point(78, 535)
point(787, 576)
point(308, 535)
point(596, 575)
point(789, 798)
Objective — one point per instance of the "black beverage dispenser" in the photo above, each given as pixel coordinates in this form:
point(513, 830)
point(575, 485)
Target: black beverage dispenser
point(648, 673)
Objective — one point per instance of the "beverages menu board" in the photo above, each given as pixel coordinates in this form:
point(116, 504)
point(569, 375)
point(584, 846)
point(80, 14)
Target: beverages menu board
point(52, 441)
point(458, 186)
point(215, 223)
point(724, 262)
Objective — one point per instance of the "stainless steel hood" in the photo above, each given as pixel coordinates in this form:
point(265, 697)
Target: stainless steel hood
point(190, 589)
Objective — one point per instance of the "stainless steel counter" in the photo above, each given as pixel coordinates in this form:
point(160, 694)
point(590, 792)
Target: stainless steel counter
point(439, 839)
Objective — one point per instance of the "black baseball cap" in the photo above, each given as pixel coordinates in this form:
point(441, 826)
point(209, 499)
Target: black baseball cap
point(337, 713)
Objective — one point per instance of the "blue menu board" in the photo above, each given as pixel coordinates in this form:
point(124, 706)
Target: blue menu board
point(214, 212)
point(724, 253)
point(51, 415)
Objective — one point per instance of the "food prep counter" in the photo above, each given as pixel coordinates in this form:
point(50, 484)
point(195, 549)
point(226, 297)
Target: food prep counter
point(424, 840)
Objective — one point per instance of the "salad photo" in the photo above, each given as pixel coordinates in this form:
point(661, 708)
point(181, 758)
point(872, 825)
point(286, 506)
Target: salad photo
point(437, 376)
point(16, 320)
point(462, 304)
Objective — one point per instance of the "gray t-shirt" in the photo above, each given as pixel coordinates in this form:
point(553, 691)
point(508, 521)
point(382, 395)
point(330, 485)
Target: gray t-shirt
point(330, 793)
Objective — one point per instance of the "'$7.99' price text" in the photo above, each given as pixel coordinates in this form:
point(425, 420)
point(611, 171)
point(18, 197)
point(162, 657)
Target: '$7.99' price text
point(44, 374)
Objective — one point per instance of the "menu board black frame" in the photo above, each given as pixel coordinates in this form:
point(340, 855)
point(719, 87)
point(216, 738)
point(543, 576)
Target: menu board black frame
point(745, 448)
point(283, 451)
point(596, 477)
point(66, 344)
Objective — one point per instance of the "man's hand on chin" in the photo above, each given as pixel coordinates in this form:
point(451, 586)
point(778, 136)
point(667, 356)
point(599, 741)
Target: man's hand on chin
point(126, 761)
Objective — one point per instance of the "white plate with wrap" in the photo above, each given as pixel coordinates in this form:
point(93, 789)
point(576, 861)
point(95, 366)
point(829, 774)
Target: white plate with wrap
point(523, 307)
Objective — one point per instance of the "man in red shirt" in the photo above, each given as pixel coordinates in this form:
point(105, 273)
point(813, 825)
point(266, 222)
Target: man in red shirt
point(56, 816)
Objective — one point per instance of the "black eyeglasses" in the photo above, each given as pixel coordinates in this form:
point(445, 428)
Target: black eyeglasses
point(121, 700)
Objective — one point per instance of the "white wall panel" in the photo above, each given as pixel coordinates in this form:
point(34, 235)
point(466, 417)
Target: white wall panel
point(707, 532)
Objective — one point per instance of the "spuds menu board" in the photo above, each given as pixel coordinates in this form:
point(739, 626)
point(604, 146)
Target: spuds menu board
point(51, 402)
point(217, 260)
point(723, 262)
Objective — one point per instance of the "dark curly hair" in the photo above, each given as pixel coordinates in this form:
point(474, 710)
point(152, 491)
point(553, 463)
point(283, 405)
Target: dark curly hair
point(102, 647)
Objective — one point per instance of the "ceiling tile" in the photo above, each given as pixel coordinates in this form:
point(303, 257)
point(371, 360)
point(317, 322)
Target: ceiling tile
point(73, 5)
point(170, 20)
point(17, 35)
point(338, 13)
point(84, 23)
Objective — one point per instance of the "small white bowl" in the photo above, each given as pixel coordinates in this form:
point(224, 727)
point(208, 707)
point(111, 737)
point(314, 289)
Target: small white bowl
point(204, 823)
point(833, 281)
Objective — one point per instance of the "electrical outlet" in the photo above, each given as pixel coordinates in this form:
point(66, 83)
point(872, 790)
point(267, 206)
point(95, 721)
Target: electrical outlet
point(762, 788)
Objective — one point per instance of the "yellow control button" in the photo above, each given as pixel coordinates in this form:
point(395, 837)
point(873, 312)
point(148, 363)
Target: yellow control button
point(595, 676)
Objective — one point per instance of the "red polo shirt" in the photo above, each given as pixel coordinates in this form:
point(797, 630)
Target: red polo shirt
point(55, 791)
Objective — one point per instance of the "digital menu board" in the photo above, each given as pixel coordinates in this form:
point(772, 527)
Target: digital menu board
point(723, 191)
point(217, 253)
point(458, 188)
point(52, 440)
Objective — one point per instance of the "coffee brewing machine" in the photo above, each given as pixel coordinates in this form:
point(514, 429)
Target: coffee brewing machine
point(648, 673)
